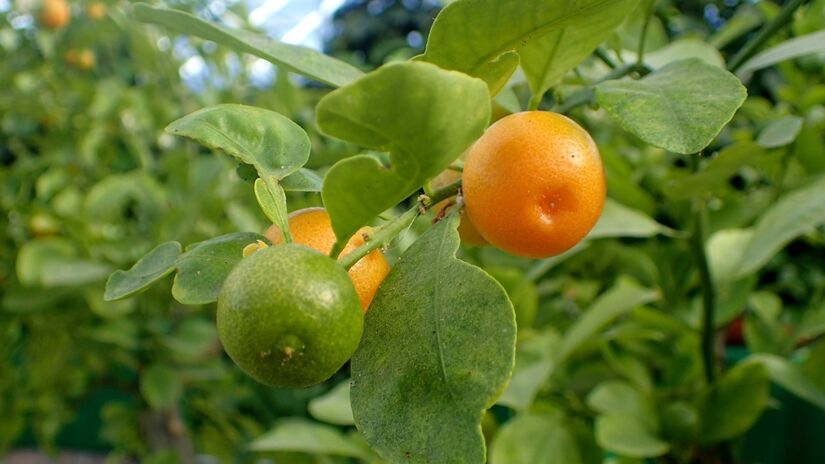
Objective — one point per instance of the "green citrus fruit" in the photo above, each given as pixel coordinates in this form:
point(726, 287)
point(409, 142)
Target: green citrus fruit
point(289, 316)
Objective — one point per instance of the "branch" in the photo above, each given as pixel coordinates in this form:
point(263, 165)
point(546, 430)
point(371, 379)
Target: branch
point(764, 34)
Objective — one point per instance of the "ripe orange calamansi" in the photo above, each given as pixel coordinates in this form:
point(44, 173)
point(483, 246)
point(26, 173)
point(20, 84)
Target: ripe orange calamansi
point(54, 14)
point(534, 184)
point(311, 227)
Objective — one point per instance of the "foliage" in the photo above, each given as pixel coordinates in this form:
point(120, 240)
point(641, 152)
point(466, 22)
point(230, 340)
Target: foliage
point(711, 134)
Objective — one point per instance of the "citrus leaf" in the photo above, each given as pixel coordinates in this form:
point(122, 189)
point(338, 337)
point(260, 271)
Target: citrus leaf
point(681, 107)
point(424, 116)
point(682, 49)
point(303, 436)
point(155, 265)
point(716, 173)
point(618, 220)
point(725, 249)
point(794, 214)
point(302, 60)
point(160, 386)
point(534, 439)
point(420, 362)
point(205, 265)
point(734, 404)
point(534, 364)
point(620, 397)
point(478, 37)
point(272, 200)
point(270, 142)
point(620, 299)
point(793, 48)
point(302, 180)
point(333, 407)
point(626, 435)
point(792, 378)
point(781, 132)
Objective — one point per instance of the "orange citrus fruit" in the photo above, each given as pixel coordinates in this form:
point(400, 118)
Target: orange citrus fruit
point(54, 14)
point(311, 227)
point(534, 184)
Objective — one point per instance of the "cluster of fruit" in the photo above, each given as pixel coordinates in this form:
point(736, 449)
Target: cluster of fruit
point(291, 316)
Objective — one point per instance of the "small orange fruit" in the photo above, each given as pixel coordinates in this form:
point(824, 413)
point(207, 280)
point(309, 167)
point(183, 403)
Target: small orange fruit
point(534, 184)
point(311, 227)
point(96, 10)
point(85, 60)
point(466, 229)
point(54, 14)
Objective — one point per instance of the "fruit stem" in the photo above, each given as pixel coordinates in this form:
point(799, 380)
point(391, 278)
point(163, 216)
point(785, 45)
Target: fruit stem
point(697, 241)
point(389, 230)
point(763, 35)
point(606, 59)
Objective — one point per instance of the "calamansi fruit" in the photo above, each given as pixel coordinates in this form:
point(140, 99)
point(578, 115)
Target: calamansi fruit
point(85, 60)
point(466, 229)
point(289, 316)
point(95, 10)
point(54, 14)
point(534, 184)
point(311, 227)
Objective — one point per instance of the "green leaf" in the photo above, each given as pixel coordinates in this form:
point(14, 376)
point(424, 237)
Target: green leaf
point(303, 436)
point(302, 180)
point(302, 60)
point(334, 406)
point(733, 405)
point(205, 265)
point(626, 435)
point(155, 265)
point(682, 49)
point(725, 249)
point(534, 364)
point(716, 174)
point(424, 116)
point(617, 220)
point(620, 299)
point(534, 439)
point(619, 397)
point(272, 200)
point(272, 143)
point(792, 378)
point(478, 37)
point(793, 48)
point(160, 386)
point(53, 263)
point(794, 214)
point(781, 132)
point(681, 107)
point(421, 379)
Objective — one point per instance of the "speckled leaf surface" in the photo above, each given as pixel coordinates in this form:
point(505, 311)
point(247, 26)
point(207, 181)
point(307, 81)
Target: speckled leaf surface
point(479, 37)
point(438, 349)
point(681, 107)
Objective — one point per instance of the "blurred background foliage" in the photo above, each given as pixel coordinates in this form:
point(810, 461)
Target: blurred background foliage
point(89, 182)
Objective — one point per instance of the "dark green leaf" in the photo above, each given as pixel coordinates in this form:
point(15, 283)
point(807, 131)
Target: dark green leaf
point(205, 265)
point(154, 266)
point(733, 405)
point(421, 379)
point(681, 107)
point(424, 116)
point(478, 37)
point(301, 60)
